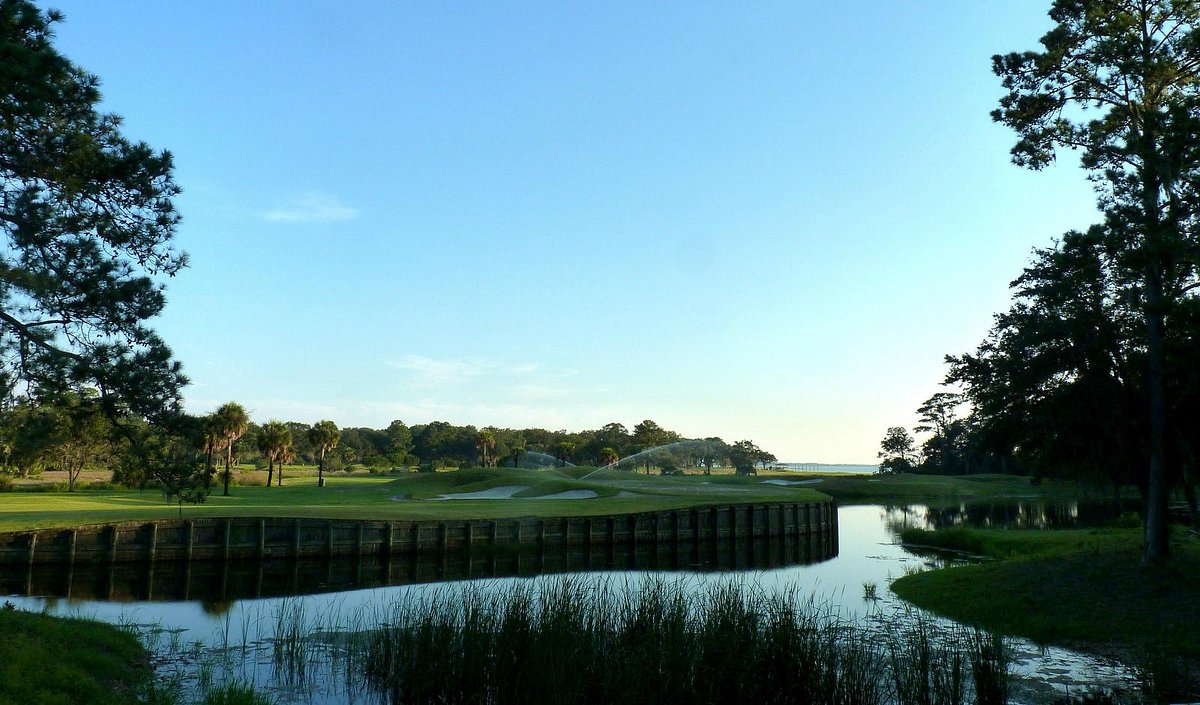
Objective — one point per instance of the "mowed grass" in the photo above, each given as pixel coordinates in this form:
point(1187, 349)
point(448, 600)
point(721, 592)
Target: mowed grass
point(410, 496)
point(915, 488)
point(405, 497)
point(65, 661)
point(1083, 588)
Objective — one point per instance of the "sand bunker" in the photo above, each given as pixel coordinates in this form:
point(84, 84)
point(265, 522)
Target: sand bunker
point(507, 492)
point(570, 494)
point(504, 492)
point(791, 482)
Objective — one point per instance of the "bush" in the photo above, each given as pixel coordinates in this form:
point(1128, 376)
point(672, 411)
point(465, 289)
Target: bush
point(6, 483)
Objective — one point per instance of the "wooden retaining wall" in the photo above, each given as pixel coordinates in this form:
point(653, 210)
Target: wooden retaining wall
point(223, 581)
point(251, 538)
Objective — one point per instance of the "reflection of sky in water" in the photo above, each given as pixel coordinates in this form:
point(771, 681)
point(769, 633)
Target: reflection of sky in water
point(867, 554)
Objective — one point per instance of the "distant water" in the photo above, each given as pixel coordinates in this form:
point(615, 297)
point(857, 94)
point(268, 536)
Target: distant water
point(827, 467)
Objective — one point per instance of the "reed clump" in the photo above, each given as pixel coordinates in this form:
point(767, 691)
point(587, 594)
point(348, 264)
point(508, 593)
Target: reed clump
point(574, 641)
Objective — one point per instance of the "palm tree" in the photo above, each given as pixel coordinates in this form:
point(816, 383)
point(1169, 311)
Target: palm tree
point(608, 456)
point(273, 441)
point(210, 441)
point(231, 421)
point(517, 444)
point(485, 443)
point(287, 456)
point(563, 450)
point(325, 436)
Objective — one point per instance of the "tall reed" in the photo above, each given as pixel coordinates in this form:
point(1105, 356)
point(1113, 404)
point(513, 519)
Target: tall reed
point(578, 642)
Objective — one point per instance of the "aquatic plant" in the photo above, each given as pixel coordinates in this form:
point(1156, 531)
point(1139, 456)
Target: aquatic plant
point(570, 641)
point(236, 693)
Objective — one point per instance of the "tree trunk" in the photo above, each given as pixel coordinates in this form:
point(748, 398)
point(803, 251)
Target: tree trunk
point(1157, 545)
point(270, 469)
point(1189, 493)
point(228, 460)
point(321, 469)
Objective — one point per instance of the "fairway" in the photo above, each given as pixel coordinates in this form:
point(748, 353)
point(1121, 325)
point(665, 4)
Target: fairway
point(406, 497)
point(462, 494)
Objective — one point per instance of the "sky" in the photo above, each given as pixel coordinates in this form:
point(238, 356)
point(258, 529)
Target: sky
point(762, 220)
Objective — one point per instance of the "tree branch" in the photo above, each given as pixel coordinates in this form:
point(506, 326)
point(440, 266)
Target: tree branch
point(26, 334)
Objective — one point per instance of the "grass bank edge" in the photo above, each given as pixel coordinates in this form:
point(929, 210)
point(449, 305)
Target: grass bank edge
point(52, 660)
point(1081, 588)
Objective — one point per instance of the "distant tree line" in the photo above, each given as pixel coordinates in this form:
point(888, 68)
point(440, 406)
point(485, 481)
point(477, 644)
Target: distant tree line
point(70, 432)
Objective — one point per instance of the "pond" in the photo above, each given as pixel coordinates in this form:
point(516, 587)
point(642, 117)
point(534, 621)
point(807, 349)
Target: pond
point(212, 621)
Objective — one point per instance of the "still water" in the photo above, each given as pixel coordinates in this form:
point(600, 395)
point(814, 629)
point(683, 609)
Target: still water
point(210, 622)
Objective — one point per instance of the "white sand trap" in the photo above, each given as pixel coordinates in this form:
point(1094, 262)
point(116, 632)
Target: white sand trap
point(791, 482)
point(505, 492)
point(570, 494)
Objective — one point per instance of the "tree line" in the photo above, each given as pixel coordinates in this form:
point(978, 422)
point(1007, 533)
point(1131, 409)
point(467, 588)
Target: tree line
point(70, 431)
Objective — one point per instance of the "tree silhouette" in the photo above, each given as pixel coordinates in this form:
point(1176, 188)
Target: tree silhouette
point(1120, 82)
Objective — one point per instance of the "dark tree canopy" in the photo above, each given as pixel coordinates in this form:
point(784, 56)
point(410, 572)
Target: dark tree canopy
point(1058, 381)
point(1119, 80)
point(87, 220)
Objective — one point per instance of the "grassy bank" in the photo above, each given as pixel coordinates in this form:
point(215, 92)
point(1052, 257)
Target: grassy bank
point(926, 489)
point(412, 496)
point(61, 661)
point(1080, 588)
point(406, 497)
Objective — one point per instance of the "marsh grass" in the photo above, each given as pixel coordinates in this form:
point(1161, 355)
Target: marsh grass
point(571, 641)
point(236, 693)
point(991, 660)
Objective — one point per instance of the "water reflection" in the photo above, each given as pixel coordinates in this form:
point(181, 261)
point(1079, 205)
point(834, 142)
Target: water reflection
point(240, 633)
point(1032, 514)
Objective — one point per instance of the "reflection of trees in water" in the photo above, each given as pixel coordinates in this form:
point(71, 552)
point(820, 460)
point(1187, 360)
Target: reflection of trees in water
point(1006, 515)
point(216, 608)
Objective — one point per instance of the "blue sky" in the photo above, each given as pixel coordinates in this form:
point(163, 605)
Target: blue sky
point(751, 220)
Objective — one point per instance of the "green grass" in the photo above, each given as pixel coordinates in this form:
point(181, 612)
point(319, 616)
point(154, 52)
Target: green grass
point(64, 661)
point(870, 489)
point(1080, 588)
point(367, 496)
point(403, 496)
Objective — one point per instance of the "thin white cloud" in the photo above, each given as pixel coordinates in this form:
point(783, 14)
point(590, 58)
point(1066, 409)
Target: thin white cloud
point(312, 207)
point(428, 371)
